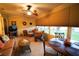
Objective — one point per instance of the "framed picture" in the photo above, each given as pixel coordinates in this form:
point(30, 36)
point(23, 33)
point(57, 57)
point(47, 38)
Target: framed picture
point(30, 23)
point(24, 23)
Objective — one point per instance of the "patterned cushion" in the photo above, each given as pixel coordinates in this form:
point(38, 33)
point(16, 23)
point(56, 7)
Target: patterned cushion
point(5, 38)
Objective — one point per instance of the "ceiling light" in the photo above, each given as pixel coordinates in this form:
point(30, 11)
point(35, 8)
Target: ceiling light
point(29, 13)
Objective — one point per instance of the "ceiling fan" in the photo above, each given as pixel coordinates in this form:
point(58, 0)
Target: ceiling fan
point(29, 12)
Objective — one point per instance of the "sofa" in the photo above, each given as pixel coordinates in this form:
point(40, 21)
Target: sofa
point(7, 47)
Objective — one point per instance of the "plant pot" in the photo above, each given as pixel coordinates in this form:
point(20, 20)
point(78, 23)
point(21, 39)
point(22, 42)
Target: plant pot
point(67, 44)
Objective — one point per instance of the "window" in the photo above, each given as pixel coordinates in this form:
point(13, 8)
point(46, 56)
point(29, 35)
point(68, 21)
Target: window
point(40, 28)
point(75, 34)
point(54, 30)
point(46, 29)
point(43, 28)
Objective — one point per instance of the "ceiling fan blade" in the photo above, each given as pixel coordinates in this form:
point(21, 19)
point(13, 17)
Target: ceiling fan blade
point(29, 7)
point(35, 13)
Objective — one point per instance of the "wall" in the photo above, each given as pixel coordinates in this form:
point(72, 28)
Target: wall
point(74, 15)
point(1, 26)
point(58, 16)
point(64, 15)
point(19, 22)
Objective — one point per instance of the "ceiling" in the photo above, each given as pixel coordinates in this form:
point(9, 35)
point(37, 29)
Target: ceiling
point(18, 8)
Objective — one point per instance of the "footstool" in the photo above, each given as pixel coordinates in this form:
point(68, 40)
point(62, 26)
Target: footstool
point(23, 47)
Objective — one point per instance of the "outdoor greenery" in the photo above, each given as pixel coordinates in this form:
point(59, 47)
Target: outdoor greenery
point(75, 36)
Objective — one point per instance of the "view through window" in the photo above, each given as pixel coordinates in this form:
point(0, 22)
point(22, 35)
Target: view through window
point(75, 34)
point(52, 30)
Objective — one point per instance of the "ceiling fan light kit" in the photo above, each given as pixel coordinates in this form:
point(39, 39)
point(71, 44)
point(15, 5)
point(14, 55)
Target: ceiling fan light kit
point(29, 12)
